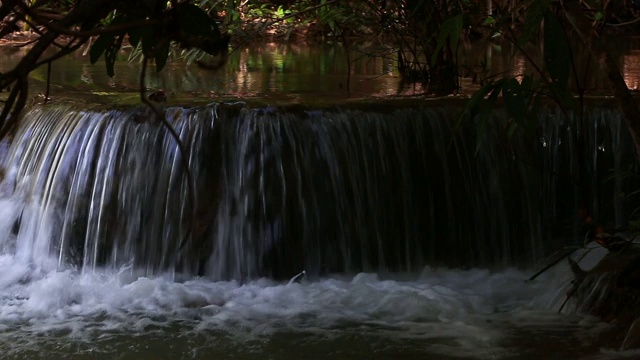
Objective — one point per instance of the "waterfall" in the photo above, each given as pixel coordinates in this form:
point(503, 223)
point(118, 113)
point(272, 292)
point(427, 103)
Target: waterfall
point(281, 190)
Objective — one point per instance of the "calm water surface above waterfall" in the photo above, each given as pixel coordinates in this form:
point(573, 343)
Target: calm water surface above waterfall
point(415, 243)
point(317, 74)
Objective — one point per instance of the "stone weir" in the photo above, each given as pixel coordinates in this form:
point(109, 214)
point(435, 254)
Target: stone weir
point(281, 190)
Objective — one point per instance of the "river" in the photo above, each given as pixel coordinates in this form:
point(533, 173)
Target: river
point(374, 206)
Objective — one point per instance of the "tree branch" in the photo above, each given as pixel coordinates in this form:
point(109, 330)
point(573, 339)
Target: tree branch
point(62, 30)
point(182, 149)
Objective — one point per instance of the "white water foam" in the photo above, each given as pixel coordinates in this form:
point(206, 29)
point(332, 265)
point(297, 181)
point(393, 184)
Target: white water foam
point(450, 306)
point(450, 312)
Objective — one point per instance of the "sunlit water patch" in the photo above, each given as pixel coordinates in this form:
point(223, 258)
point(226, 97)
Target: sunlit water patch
point(448, 313)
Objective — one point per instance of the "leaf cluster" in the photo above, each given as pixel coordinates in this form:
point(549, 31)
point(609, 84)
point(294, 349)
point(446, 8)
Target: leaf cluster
point(523, 94)
point(65, 26)
point(183, 23)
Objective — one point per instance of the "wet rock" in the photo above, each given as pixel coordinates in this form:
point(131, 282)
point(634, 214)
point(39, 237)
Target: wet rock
point(632, 338)
point(611, 291)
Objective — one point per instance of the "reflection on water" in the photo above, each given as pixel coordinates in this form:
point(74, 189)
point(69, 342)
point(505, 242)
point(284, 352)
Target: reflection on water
point(631, 70)
point(314, 72)
point(631, 66)
point(266, 71)
point(483, 62)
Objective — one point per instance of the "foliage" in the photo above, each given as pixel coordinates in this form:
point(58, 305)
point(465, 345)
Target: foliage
point(556, 77)
point(426, 32)
point(523, 94)
point(252, 20)
point(68, 25)
point(65, 25)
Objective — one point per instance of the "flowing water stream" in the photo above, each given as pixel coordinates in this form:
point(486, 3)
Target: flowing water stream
point(415, 243)
point(440, 313)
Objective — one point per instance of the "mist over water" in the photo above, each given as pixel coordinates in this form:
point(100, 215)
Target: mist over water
point(413, 243)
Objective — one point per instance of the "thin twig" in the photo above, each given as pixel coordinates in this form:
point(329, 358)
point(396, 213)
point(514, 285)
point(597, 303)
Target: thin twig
point(346, 46)
point(68, 49)
point(26, 43)
point(46, 94)
point(183, 151)
point(15, 103)
point(6, 109)
point(111, 29)
point(555, 258)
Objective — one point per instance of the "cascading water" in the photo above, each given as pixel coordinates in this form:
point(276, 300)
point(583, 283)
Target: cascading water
point(283, 191)
point(95, 206)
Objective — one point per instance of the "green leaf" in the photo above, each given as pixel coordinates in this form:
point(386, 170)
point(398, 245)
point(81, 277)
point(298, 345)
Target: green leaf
point(480, 106)
point(535, 14)
point(557, 59)
point(134, 36)
point(196, 22)
point(527, 85)
point(474, 104)
point(563, 96)
point(108, 44)
point(489, 21)
point(456, 31)
point(99, 46)
point(486, 106)
point(110, 55)
point(148, 42)
point(451, 29)
point(161, 55)
point(514, 99)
